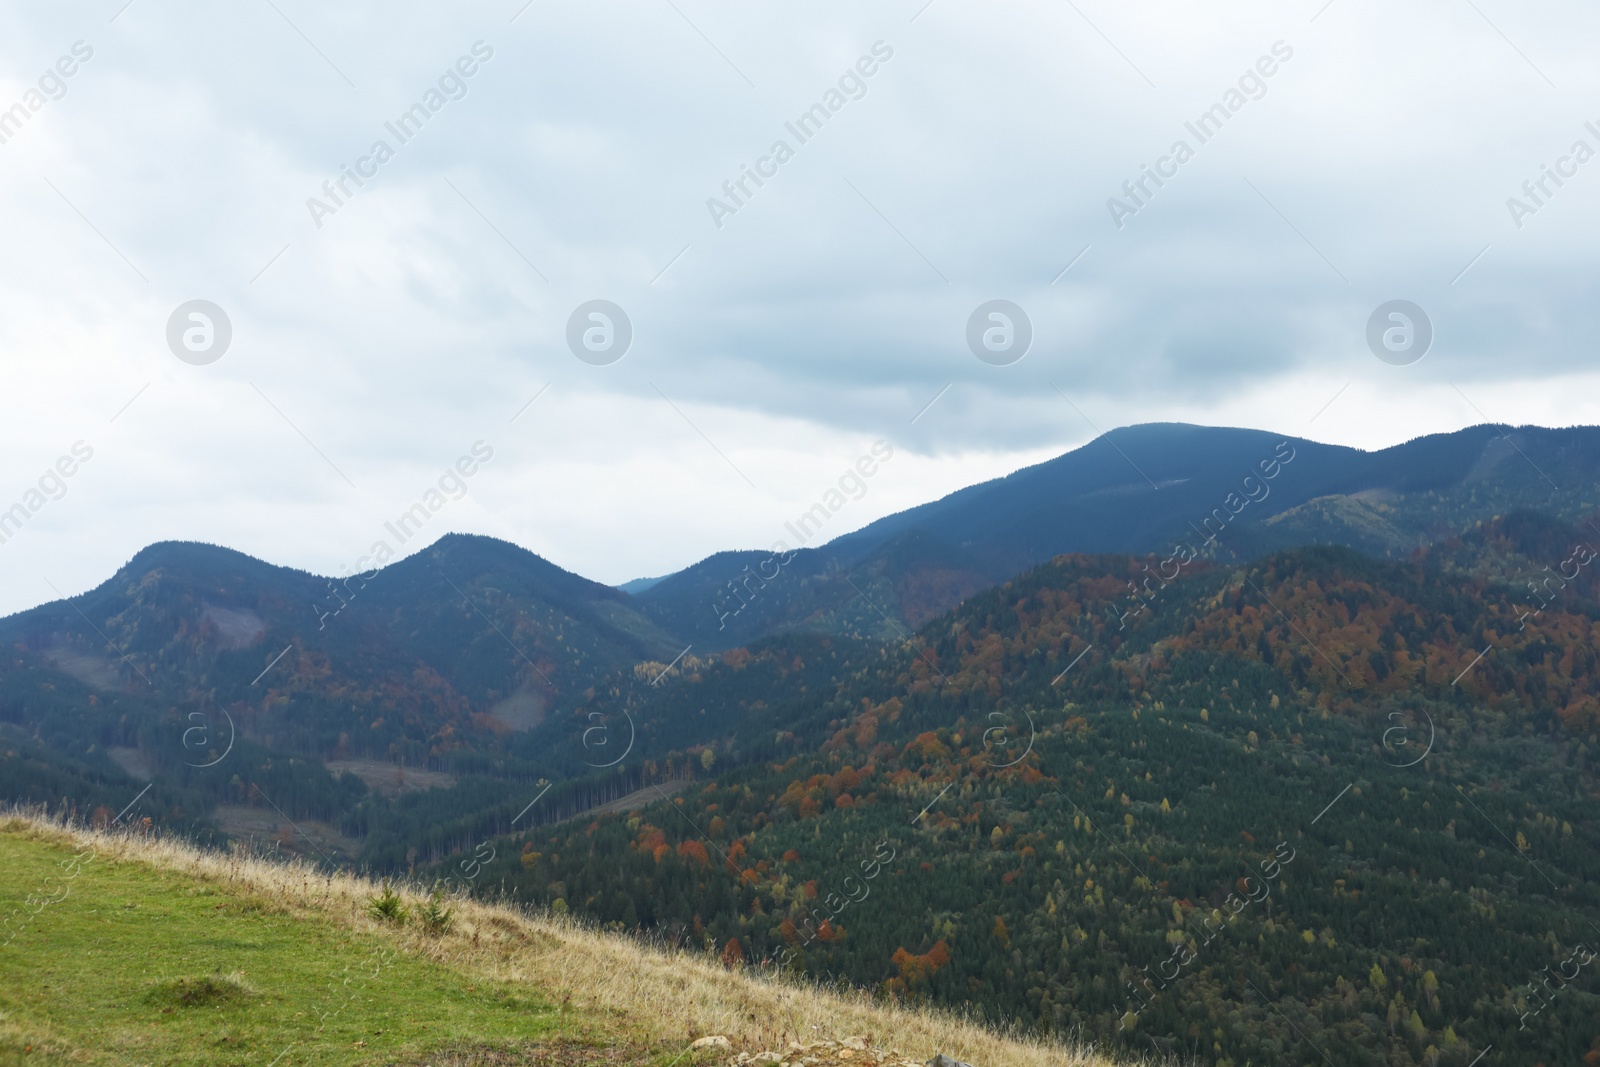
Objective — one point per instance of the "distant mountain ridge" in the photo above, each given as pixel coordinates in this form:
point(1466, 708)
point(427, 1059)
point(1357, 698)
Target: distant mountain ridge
point(1140, 489)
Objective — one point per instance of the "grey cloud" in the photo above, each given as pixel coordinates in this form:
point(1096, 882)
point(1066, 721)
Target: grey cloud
point(585, 152)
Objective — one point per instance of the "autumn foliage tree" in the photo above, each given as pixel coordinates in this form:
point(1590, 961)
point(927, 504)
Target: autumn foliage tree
point(915, 970)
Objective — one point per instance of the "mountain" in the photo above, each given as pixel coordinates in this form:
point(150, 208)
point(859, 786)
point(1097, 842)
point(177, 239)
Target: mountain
point(1229, 494)
point(638, 585)
point(476, 669)
point(223, 680)
point(1312, 803)
point(1144, 488)
point(397, 713)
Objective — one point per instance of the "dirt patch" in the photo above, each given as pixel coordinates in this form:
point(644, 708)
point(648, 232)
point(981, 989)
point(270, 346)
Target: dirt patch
point(522, 710)
point(636, 799)
point(267, 830)
point(541, 1053)
point(388, 780)
point(138, 764)
point(93, 669)
point(236, 627)
point(850, 1052)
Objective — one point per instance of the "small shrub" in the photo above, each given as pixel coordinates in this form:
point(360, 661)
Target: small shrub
point(387, 907)
point(212, 989)
point(435, 917)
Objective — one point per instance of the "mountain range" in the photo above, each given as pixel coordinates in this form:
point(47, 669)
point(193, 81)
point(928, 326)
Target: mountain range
point(738, 736)
point(458, 653)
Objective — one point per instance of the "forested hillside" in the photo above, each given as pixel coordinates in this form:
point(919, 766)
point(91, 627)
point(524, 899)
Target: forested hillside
point(1281, 808)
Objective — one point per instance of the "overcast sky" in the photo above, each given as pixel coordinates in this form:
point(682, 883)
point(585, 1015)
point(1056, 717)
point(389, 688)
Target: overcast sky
point(380, 332)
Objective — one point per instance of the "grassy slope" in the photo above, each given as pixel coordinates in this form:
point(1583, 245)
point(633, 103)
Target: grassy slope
point(92, 973)
point(307, 977)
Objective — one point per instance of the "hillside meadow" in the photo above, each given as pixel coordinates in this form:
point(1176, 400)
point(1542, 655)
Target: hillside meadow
point(128, 948)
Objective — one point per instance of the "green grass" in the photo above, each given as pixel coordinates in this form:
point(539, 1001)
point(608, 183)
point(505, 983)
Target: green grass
point(140, 966)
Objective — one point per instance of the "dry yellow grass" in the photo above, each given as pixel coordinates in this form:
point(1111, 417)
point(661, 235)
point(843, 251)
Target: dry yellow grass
point(629, 993)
